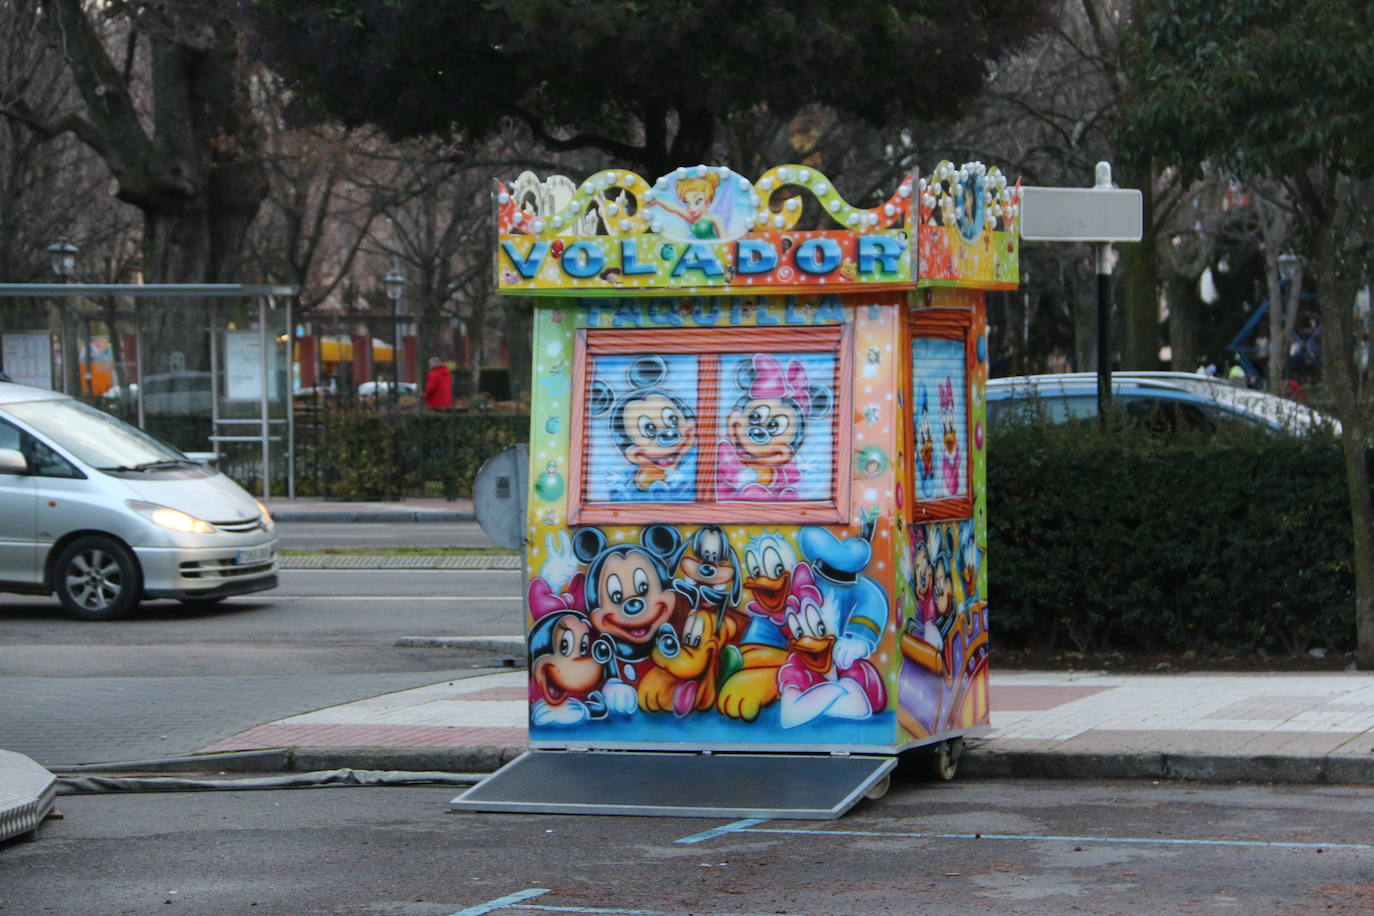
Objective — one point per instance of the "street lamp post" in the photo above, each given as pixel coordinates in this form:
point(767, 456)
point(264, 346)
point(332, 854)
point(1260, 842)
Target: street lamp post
point(1288, 266)
point(394, 283)
point(63, 257)
point(1104, 307)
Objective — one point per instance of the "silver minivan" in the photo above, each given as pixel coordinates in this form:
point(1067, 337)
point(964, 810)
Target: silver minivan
point(105, 515)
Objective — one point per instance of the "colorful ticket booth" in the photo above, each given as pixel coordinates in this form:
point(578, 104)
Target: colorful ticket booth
point(757, 521)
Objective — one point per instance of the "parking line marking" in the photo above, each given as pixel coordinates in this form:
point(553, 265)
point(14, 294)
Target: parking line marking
point(1162, 841)
point(519, 897)
point(501, 903)
point(607, 911)
point(601, 911)
point(721, 831)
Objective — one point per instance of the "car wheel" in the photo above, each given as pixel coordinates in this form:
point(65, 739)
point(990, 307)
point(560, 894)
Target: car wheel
point(97, 578)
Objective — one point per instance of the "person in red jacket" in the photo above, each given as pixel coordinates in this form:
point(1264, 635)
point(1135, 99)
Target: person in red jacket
point(438, 385)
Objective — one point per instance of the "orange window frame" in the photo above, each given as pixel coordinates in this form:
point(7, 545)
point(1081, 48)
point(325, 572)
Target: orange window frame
point(708, 342)
point(940, 324)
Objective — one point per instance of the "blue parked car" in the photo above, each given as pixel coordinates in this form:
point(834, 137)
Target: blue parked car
point(1164, 401)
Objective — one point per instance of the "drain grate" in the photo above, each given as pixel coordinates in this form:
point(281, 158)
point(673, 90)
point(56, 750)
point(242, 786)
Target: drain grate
point(332, 561)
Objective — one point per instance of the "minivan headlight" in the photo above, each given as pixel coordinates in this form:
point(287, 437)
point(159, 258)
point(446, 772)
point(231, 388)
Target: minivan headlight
point(266, 516)
point(172, 519)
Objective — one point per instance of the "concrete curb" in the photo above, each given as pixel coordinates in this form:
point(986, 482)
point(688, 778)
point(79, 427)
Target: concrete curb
point(346, 516)
point(978, 762)
point(990, 762)
point(515, 645)
point(484, 759)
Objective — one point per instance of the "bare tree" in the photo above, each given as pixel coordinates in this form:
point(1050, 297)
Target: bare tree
point(164, 103)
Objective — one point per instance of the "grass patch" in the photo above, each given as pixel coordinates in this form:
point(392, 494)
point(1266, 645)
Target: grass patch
point(400, 552)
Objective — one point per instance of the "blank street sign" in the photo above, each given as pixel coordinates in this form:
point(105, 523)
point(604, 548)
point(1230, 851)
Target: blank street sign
point(499, 493)
point(1081, 214)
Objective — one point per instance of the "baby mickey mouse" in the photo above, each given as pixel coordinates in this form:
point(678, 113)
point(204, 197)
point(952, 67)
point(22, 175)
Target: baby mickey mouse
point(567, 669)
point(654, 428)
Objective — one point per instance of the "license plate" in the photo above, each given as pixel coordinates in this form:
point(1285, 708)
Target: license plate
point(253, 555)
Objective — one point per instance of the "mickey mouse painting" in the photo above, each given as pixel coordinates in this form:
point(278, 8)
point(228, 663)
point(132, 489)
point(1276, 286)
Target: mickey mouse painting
point(629, 596)
point(655, 430)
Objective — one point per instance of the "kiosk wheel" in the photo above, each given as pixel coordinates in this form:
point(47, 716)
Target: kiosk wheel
point(945, 760)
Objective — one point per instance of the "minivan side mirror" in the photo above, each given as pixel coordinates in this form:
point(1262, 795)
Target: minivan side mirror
point(12, 461)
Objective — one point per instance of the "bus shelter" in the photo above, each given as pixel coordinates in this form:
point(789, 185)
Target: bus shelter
point(216, 385)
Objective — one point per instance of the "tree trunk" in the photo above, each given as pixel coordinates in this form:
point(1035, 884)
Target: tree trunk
point(518, 319)
point(1139, 308)
point(210, 183)
point(477, 341)
point(1182, 324)
point(184, 241)
point(1085, 331)
point(1337, 295)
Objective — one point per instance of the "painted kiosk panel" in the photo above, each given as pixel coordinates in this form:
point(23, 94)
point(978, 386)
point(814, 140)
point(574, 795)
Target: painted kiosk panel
point(757, 521)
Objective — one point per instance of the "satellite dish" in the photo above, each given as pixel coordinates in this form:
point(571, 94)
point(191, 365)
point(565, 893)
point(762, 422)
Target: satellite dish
point(499, 494)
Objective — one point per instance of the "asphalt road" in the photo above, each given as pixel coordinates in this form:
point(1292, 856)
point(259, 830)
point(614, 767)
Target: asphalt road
point(963, 847)
point(326, 621)
point(170, 679)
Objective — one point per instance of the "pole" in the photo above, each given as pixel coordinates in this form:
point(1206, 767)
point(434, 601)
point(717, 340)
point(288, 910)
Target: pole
point(290, 381)
point(1104, 309)
point(263, 408)
point(138, 359)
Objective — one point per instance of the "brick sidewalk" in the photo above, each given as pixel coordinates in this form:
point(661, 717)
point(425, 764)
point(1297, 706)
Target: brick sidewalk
point(1326, 717)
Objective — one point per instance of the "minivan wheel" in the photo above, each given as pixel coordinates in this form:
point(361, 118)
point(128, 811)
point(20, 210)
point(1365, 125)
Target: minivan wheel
point(97, 578)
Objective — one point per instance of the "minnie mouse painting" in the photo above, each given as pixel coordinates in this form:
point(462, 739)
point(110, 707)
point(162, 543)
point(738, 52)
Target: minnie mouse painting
point(766, 428)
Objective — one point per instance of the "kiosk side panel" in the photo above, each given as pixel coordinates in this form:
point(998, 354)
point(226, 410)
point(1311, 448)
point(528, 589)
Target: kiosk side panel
point(942, 579)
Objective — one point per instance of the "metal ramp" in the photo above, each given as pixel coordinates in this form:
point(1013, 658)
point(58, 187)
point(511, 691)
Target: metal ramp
point(679, 784)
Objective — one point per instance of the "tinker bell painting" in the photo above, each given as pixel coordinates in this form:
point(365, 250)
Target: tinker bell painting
point(701, 204)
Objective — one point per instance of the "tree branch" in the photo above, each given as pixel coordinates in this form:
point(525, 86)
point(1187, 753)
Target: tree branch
point(82, 129)
point(113, 128)
point(617, 148)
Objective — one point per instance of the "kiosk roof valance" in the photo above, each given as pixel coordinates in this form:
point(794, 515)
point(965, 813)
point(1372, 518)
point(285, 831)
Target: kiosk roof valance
point(702, 231)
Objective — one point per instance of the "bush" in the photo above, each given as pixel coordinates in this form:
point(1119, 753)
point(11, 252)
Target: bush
point(373, 454)
point(1227, 544)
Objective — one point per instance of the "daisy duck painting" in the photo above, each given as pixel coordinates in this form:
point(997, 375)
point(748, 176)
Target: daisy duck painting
point(951, 467)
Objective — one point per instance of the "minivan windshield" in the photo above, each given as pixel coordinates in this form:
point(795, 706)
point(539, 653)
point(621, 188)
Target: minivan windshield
point(94, 437)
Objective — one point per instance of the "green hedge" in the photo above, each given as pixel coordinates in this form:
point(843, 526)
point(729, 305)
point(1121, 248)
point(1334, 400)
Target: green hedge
point(373, 454)
point(358, 452)
point(1235, 543)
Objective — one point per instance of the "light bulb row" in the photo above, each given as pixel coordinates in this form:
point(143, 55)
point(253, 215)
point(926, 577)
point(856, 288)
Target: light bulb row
point(761, 217)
